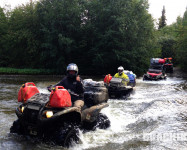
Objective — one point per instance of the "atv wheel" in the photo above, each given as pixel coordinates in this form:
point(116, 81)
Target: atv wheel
point(16, 127)
point(66, 136)
point(144, 78)
point(102, 121)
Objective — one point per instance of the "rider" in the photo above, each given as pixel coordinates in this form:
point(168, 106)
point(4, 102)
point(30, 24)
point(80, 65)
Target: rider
point(73, 83)
point(167, 60)
point(122, 75)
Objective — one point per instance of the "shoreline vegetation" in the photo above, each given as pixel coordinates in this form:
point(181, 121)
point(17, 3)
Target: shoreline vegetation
point(178, 72)
point(25, 71)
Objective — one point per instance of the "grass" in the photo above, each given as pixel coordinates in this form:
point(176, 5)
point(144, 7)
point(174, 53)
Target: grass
point(25, 71)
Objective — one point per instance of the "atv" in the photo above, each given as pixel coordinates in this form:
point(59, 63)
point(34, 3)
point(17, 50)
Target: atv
point(154, 74)
point(168, 65)
point(156, 70)
point(52, 118)
point(117, 88)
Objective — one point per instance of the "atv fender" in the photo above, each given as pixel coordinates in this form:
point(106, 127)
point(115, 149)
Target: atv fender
point(90, 114)
point(74, 110)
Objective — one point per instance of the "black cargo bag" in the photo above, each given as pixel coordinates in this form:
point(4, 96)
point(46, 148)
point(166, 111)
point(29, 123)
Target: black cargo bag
point(95, 92)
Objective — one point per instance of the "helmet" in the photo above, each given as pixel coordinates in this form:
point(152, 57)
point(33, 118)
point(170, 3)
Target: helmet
point(120, 70)
point(72, 67)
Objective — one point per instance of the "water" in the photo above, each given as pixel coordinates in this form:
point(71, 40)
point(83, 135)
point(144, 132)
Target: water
point(153, 117)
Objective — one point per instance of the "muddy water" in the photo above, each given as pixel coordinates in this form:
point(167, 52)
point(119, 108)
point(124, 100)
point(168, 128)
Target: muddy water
point(153, 117)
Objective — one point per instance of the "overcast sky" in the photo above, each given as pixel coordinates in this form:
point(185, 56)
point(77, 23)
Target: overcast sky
point(174, 8)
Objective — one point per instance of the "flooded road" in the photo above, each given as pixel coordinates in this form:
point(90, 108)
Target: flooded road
point(153, 117)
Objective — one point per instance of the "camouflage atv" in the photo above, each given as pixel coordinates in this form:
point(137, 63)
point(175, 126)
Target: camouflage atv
point(52, 118)
point(117, 89)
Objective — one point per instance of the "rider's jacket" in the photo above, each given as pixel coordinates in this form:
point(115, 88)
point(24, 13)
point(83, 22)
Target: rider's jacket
point(123, 76)
point(74, 87)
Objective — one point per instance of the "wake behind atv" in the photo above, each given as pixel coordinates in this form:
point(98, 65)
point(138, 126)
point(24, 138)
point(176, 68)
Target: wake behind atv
point(53, 118)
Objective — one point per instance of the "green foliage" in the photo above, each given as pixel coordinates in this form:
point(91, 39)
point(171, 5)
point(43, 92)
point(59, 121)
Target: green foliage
point(162, 19)
point(59, 31)
point(22, 49)
point(168, 46)
point(3, 38)
point(182, 43)
point(167, 41)
point(25, 71)
point(121, 32)
point(97, 35)
point(172, 40)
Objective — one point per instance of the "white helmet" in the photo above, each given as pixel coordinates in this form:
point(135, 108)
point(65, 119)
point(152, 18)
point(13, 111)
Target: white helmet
point(120, 70)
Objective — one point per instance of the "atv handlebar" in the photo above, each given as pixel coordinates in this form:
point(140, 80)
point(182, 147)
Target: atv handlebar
point(49, 88)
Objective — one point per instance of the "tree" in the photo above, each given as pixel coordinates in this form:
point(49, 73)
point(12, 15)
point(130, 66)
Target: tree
point(168, 46)
point(182, 44)
point(162, 19)
point(59, 32)
point(121, 32)
point(97, 35)
point(3, 38)
point(22, 41)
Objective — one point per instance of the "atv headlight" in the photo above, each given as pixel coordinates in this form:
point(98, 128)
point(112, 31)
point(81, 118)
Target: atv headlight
point(22, 109)
point(49, 114)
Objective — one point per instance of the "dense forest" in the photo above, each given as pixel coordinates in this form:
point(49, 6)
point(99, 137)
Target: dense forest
point(97, 35)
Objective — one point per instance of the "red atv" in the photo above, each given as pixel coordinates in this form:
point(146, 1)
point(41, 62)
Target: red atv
point(156, 70)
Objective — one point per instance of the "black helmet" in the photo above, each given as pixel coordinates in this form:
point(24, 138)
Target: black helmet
point(72, 67)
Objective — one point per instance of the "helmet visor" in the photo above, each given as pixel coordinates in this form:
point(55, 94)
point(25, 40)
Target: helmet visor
point(71, 72)
point(120, 71)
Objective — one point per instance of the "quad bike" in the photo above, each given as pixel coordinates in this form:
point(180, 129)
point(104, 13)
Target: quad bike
point(53, 118)
point(156, 70)
point(168, 65)
point(154, 74)
point(117, 88)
